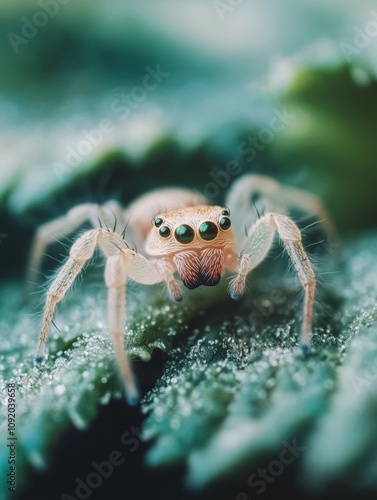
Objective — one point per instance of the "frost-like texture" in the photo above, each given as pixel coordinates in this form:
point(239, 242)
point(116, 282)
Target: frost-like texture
point(235, 394)
point(67, 388)
point(343, 448)
point(79, 374)
point(236, 387)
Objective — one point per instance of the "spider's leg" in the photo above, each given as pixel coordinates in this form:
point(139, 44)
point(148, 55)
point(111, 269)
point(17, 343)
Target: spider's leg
point(165, 269)
point(125, 264)
point(65, 225)
point(256, 248)
point(253, 193)
point(81, 251)
point(115, 277)
point(122, 263)
point(311, 204)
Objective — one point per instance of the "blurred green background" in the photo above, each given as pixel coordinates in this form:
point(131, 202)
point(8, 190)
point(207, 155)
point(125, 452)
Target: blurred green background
point(108, 99)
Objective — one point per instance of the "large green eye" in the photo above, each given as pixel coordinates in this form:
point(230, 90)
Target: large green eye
point(208, 230)
point(184, 234)
point(225, 223)
point(164, 231)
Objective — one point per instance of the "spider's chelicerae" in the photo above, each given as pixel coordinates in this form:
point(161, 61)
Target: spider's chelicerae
point(190, 238)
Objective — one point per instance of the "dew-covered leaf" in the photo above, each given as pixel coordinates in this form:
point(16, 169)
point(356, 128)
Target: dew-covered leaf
point(237, 391)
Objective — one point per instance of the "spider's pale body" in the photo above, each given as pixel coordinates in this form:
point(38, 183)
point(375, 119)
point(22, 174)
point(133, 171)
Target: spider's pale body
point(189, 238)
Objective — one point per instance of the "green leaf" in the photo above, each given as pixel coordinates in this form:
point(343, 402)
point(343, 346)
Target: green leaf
point(235, 388)
point(233, 395)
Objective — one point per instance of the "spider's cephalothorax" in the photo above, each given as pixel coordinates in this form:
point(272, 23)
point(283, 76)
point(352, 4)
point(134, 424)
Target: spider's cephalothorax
point(197, 241)
point(189, 238)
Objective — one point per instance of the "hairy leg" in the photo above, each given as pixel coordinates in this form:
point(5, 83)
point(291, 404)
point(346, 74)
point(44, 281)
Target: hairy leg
point(251, 193)
point(137, 217)
point(122, 263)
point(80, 252)
point(125, 264)
point(256, 248)
point(67, 224)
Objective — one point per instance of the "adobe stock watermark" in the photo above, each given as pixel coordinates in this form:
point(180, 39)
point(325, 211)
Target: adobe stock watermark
point(362, 38)
point(223, 7)
point(256, 143)
point(88, 141)
point(260, 480)
point(101, 471)
point(33, 24)
point(121, 106)
point(249, 149)
point(124, 103)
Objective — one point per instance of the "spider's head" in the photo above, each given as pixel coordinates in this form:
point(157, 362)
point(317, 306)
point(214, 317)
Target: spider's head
point(195, 239)
point(190, 228)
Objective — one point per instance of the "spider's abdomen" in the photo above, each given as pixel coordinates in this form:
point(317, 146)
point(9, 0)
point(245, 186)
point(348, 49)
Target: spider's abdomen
point(200, 266)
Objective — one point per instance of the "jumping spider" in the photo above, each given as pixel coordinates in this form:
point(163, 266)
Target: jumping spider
point(191, 238)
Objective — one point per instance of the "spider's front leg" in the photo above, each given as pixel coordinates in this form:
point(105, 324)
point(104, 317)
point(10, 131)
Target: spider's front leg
point(122, 263)
point(81, 251)
point(256, 248)
point(125, 264)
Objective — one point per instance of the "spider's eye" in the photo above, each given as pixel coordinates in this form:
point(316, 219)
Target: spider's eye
point(225, 223)
point(208, 230)
point(164, 231)
point(225, 211)
point(184, 234)
point(158, 221)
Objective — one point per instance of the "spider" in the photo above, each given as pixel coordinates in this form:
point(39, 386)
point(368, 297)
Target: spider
point(190, 238)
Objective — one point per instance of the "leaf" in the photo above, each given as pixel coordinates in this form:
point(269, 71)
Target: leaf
point(236, 387)
point(234, 395)
point(79, 374)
